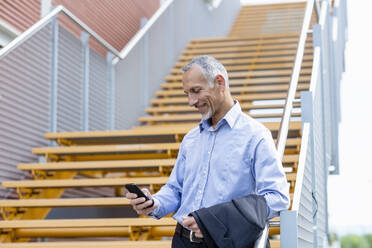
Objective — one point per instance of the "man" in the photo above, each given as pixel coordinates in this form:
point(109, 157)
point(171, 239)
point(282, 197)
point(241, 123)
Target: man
point(229, 155)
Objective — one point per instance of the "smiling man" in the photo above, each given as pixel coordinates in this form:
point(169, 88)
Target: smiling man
point(228, 156)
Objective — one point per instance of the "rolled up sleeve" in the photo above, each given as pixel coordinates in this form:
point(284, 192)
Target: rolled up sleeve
point(271, 181)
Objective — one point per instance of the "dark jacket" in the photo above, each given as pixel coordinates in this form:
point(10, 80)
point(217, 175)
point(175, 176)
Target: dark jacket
point(235, 224)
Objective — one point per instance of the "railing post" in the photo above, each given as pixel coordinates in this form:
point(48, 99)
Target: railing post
point(171, 32)
point(307, 116)
point(288, 229)
point(84, 37)
point(319, 36)
point(145, 74)
point(54, 77)
point(111, 91)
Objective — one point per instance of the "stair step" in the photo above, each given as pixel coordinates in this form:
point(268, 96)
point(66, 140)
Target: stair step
point(78, 183)
point(99, 165)
point(248, 42)
point(103, 244)
point(116, 165)
point(280, 80)
point(95, 244)
point(66, 202)
point(141, 132)
point(241, 98)
point(258, 60)
point(105, 149)
point(187, 109)
point(239, 90)
point(152, 120)
point(88, 223)
point(249, 74)
point(307, 51)
point(245, 37)
point(235, 49)
point(254, 67)
point(99, 182)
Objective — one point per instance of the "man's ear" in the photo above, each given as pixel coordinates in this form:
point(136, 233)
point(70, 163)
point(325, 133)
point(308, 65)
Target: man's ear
point(220, 82)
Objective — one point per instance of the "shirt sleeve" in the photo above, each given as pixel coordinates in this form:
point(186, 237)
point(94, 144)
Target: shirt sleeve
point(271, 181)
point(168, 197)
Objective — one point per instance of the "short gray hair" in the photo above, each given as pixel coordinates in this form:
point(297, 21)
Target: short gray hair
point(210, 68)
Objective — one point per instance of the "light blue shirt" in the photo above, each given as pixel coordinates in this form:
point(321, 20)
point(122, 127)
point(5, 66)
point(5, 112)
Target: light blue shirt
point(236, 159)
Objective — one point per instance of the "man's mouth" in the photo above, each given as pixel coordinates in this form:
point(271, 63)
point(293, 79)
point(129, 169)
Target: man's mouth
point(201, 106)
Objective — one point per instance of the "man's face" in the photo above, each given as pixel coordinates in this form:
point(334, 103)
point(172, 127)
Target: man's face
point(200, 94)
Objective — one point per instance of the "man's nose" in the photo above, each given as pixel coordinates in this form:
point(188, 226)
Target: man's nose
point(192, 100)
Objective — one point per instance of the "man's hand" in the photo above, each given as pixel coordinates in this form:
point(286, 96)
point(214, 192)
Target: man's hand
point(140, 205)
point(189, 222)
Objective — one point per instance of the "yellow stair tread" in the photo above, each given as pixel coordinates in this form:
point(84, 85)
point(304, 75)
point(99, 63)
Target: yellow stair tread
point(249, 74)
point(241, 98)
point(94, 165)
point(95, 244)
point(114, 164)
point(244, 37)
point(76, 183)
point(71, 202)
point(248, 81)
point(98, 222)
point(253, 42)
point(106, 148)
point(273, 126)
point(103, 244)
point(212, 51)
point(99, 182)
point(254, 67)
point(239, 90)
point(196, 117)
point(146, 131)
point(66, 202)
point(183, 109)
point(112, 148)
point(250, 54)
point(235, 61)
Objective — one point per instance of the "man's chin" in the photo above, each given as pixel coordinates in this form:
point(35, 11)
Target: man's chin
point(207, 115)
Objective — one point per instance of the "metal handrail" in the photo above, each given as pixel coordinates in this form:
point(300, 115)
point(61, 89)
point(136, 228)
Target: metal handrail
point(284, 124)
point(119, 55)
point(44, 21)
point(304, 143)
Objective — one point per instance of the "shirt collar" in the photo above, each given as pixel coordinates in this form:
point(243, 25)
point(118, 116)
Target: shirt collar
point(230, 118)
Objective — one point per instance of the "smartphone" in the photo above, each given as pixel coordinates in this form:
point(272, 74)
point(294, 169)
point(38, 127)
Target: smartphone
point(133, 188)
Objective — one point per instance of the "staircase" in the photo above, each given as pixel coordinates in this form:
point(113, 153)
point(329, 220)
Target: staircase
point(258, 54)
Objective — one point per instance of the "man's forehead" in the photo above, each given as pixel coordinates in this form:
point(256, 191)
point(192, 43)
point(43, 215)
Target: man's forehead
point(194, 74)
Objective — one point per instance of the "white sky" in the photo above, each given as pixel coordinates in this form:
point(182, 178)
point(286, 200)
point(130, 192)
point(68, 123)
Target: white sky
point(350, 193)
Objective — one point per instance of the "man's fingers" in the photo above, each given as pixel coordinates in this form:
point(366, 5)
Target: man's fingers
point(130, 195)
point(144, 205)
point(186, 221)
point(146, 192)
point(137, 201)
point(189, 222)
point(198, 234)
point(194, 227)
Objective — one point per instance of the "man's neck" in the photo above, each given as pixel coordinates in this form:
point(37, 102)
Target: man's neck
point(226, 106)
